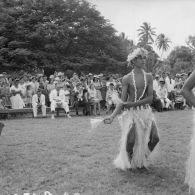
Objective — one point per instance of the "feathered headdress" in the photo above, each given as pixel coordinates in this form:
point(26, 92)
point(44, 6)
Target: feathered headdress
point(137, 52)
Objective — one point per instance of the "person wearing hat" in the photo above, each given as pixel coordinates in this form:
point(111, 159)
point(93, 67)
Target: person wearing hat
point(139, 130)
point(162, 93)
point(16, 99)
point(38, 101)
point(57, 99)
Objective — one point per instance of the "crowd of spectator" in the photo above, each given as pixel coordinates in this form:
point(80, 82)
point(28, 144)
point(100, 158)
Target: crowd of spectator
point(167, 92)
point(92, 92)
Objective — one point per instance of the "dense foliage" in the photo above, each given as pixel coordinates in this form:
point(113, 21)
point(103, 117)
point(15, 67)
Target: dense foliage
point(58, 34)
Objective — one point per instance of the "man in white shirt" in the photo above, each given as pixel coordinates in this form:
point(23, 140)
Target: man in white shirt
point(38, 101)
point(57, 99)
point(162, 93)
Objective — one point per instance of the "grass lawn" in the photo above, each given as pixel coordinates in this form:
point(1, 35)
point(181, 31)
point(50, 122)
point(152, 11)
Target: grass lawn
point(62, 155)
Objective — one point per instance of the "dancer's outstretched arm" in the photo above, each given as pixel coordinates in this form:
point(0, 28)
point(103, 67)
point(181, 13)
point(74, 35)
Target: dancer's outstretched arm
point(187, 89)
point(119, 106)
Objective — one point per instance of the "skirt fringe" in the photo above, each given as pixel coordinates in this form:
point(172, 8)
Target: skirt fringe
point(139, 138)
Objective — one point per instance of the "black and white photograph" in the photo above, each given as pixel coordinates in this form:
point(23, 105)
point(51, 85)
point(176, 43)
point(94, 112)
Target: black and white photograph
point(97, 97)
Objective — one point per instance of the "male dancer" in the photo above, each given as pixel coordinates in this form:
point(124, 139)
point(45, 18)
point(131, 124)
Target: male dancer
point(190, 169)
point(139, 131)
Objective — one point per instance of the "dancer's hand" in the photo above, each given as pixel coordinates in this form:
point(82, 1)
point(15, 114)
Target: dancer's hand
point(128, 104)
point(108, 120)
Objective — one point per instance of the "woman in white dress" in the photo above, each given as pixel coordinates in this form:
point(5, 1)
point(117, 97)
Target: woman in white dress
point(16, 99)
point(190, 169)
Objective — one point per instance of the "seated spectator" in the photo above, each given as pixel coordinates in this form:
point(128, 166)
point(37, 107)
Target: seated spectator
point(16, 99)
point(156, 102)
point(109, 100)
point(162, 93)
point(57, 99)
point(38, 101)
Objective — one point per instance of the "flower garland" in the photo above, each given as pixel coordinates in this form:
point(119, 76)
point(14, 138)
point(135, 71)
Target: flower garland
point(135, 88)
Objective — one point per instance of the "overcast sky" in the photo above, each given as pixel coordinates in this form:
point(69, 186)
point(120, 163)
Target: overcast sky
point(174, 18)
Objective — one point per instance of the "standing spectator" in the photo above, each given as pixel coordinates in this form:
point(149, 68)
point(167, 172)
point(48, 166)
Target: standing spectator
point(93, 99)
point(103, 91)
point(109, 100)
point(170, 88)
point(111, 80)
point(90, 79)
point(179, 99)
point(75, 79)
point(78, 97)
point(29, 94)
point(34, 84)
point(86, 103)
point(97, 85)
point(156, 83)
point(67, 93)
point(16, 100)
point(51, 84)
point(5, 91)
point(38, 101)
point(22, 86)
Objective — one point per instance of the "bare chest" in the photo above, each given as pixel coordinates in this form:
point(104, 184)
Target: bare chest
point(137, 85)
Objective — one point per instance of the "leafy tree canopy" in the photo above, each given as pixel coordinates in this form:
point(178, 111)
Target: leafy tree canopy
point(58, 34)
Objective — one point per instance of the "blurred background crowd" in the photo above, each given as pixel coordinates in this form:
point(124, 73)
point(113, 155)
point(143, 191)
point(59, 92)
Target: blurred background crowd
point(17, 90)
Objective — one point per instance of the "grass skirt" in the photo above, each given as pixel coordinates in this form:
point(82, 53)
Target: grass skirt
point(190, 167)
point(139, 138)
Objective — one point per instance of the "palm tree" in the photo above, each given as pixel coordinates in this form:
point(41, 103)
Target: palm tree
point(162, 43)
point(146, 34)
